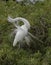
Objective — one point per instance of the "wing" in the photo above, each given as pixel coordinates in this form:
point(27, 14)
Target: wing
point(19, 36)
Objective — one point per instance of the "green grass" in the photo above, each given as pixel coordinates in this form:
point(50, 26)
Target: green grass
point(14, 56)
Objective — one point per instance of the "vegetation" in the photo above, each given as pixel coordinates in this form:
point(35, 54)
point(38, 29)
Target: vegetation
point(39, 16)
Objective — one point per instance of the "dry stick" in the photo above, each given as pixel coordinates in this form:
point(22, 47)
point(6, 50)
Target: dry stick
point(35, 37)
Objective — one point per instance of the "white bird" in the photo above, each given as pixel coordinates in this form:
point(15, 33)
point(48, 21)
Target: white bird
point(21, 31)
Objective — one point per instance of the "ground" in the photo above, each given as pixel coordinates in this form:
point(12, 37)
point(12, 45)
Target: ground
point(15, 56)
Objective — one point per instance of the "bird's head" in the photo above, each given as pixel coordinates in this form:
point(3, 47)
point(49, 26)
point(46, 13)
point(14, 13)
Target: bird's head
point(10, 19)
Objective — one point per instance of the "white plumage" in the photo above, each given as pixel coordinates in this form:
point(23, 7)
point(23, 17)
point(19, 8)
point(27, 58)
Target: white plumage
point(22, 31)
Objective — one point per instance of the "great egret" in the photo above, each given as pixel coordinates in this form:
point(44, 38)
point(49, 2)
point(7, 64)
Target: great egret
point(22, 31)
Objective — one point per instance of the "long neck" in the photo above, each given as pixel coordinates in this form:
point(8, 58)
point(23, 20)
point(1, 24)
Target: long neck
point(26, 23)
